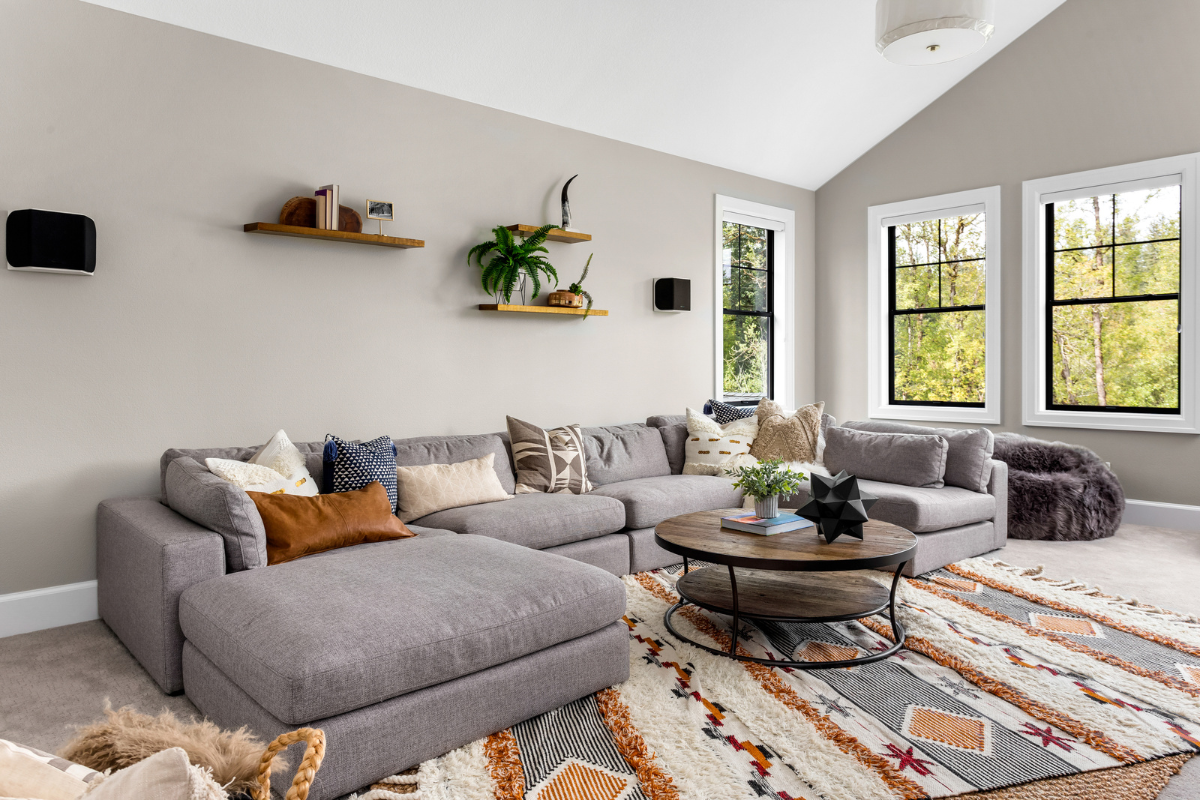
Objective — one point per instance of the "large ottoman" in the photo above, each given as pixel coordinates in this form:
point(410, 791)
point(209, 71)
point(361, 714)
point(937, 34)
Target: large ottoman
point(401, 651)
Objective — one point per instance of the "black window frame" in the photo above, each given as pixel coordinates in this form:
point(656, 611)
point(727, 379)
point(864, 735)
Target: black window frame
point(1052, 303)
point(769, 315)
point(894, 312)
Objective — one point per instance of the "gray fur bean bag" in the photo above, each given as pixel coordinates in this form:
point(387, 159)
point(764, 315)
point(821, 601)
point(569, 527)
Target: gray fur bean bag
point(1058, 491)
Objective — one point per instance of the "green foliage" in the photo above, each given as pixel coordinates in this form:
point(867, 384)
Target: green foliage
point(1117, 354)
point(510, 260)
point(766, 479)
point(745, 342)
point(577, 286)
point(939, 355)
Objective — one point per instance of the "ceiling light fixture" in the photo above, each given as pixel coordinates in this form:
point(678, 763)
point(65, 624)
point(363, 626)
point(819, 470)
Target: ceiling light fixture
point(918, 32)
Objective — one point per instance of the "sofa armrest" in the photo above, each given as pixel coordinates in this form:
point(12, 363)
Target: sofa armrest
point(998, 488)
point(146, 555)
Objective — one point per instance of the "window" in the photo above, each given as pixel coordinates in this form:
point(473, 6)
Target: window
point(748, 261)
point(933, 291)
point(1110, 280)
point(753, 315)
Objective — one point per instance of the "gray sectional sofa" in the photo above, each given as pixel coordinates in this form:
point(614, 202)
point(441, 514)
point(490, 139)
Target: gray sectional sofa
point(404, 650)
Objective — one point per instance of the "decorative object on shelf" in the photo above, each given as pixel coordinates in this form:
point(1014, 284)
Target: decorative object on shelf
point(560, 310)
point(301, 212)
point(566, 204)
point(672, 294)
point(511, 264)
point(556, 235)
point(377, 209)
point(328, 199)
point(765, 482)
point(275, 229)
point(837, 505)
point(50, 241)
point(573, 297)
point(916, 32)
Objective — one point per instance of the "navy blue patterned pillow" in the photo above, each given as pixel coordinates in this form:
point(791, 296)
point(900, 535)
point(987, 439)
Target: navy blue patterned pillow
point(724, 413)
point(353, 465)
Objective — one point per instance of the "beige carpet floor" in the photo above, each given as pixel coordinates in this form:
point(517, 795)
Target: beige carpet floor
point(50, 680)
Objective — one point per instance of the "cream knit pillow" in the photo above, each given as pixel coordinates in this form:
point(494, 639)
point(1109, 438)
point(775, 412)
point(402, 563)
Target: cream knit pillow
point(788, 435)
point(277, 468)
point(712, 448)
point(166, 775)
point(436, 487)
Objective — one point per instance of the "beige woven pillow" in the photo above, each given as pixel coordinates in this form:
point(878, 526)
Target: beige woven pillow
point(26, 772)
point(166, 775)
point(787, 436)
point(436, 487)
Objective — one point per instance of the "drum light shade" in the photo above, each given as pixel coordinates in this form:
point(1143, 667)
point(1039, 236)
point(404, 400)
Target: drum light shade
point(918, 32)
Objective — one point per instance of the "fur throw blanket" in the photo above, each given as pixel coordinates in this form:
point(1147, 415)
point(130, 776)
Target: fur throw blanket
point(126, 737)
point(1058, 491)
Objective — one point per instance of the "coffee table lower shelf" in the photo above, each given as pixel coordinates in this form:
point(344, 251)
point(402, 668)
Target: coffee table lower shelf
point(774, 596)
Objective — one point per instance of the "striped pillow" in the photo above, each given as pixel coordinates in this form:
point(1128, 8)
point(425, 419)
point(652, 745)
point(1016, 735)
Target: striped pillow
point(26, 772)
point(549, 461)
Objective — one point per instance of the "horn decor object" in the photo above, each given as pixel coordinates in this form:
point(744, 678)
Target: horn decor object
point(566, 204)
point(837, 505)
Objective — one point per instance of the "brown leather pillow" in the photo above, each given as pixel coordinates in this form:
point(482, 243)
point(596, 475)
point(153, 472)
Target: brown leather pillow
point(300, 526)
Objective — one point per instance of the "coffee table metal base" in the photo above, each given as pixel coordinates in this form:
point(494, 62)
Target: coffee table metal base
point(711, 594)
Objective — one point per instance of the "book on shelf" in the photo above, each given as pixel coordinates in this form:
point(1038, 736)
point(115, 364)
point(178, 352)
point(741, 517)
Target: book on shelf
point(753, 524)
point(332, 205)
point(322, 208)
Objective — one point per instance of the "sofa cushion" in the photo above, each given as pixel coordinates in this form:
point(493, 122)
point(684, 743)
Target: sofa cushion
point(648, 501)
point(535, 520)
point(190, 489)
point(624, 452)
point(424, 450)
point(920, 509)
point(903, 458)
point(968, 456)
point(323, 636)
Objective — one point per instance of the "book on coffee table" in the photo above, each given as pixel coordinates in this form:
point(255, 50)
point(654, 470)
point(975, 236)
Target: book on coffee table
point(752, 524)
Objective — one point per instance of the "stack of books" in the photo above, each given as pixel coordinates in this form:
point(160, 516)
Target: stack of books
point(752, 524)
point(328, 205)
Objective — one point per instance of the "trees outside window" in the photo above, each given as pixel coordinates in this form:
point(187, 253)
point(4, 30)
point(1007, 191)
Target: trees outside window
point(748, 261)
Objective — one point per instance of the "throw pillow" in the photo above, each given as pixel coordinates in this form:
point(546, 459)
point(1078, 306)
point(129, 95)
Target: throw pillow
point(788, 435)
point(724, 413)
point(300, 526)
point(551, 461)
point(166, 775)
point(220, 506)
point(436, 487)
point(712, 448)
point(251, 477)
point(968, 461)
point(353, 465)
point(906, 459)
point(25, 772)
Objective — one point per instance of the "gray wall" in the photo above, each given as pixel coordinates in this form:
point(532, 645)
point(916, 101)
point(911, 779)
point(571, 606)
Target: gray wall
point(1096, 83)
point(193, 333)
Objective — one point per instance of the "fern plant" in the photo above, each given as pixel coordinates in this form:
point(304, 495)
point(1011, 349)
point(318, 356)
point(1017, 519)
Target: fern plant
point(577, 286)
point(510, 260)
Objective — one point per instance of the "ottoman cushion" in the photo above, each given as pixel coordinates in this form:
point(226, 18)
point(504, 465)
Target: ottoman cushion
point(323, 636)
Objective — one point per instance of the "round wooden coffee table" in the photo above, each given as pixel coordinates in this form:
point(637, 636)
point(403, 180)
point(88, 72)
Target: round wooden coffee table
point(786, 577)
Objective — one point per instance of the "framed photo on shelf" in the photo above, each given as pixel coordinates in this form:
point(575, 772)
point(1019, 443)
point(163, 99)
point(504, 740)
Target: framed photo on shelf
point(380, 210)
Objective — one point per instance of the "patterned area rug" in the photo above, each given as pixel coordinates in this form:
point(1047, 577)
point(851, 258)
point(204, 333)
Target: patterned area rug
point(1012, 685)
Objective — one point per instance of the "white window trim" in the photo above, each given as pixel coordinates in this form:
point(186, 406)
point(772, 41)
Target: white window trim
point(783, 222)
point(879, 355)
point(1036, 194)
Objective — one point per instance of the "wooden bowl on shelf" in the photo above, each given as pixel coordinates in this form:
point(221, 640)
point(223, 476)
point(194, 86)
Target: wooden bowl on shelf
point(565, 299)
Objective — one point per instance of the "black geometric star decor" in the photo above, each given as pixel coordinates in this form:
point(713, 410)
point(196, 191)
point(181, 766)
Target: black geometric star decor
point(837, 505)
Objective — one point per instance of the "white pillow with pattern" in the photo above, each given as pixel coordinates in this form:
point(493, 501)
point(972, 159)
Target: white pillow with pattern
point(712, 448)
point(277, 468)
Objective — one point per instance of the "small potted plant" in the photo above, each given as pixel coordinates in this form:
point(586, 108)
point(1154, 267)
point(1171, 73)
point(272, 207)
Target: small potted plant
point(573, 297)
point(511, 264)
point(765, 482)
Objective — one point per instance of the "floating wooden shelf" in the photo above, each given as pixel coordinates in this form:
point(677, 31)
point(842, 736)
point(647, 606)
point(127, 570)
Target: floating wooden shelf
point(595, 312)
point(274, 229)
point(570, 237)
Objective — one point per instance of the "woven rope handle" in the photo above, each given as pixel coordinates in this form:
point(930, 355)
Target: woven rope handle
point(313, 755)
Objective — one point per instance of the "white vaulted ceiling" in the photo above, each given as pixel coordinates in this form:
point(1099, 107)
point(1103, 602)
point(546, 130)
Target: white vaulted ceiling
point(790, 90)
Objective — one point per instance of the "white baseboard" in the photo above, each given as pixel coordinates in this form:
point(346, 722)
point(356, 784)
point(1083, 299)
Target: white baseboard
point(1162, 515)
point(23, 612)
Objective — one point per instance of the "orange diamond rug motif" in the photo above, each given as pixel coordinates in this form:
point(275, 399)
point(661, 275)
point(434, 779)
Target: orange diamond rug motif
point(576, 780)
point(1069, 625)
point(823, 651)
point(952, 730)
point(1190, 674)
point(957, 585)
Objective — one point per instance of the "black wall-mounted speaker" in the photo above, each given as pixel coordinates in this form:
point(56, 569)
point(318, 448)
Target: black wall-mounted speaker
point(673, 294)
point(50, 241)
